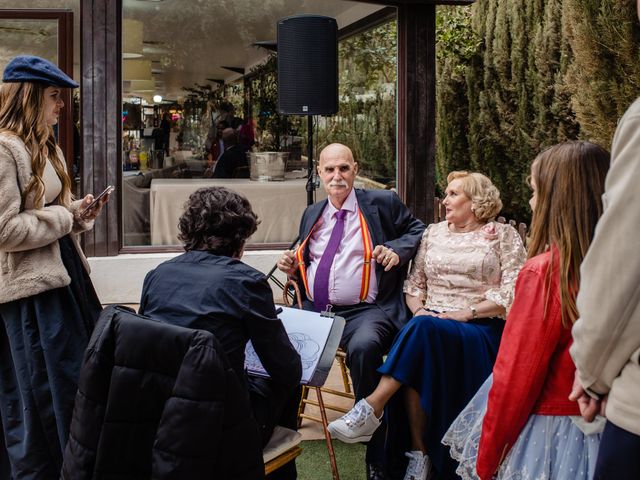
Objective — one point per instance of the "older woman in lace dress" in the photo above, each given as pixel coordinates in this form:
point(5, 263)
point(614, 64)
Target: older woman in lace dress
point(459, 289)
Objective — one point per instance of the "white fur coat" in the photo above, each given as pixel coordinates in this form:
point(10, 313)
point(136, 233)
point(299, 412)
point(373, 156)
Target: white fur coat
point(30, 261)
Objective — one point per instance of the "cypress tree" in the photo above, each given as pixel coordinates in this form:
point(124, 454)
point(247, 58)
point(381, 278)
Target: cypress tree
point(605, 73)
point(517, 101)
point(538, 72)
point(457, 44)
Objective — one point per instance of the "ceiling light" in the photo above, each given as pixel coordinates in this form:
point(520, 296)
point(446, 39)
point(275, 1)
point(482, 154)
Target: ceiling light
point(136, 70)
point(157, 98)
point(142, 86)
point(132, 33)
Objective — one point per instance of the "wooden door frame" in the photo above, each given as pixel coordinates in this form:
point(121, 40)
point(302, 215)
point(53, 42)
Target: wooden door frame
point(65, 63)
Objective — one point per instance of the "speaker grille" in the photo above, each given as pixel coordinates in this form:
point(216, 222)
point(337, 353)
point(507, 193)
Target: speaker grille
point(308, 65)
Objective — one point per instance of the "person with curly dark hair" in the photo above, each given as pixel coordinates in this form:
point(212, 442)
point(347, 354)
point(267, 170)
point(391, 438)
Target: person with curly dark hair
point(218, 220)
point(210, 288)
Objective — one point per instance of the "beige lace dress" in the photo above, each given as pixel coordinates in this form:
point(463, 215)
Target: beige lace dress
point(444, 360)
point(452, 271)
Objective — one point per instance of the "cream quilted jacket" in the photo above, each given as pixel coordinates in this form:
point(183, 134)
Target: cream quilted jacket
point(606, 347)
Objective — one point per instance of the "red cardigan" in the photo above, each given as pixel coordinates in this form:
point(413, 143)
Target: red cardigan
point(533, 373)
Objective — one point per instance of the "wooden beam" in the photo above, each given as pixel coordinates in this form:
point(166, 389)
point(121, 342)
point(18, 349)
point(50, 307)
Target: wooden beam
point(395, 3)
point(101, 117)
point(416, 107)
point(239, 70)
point(65, 51)
point(381, 16)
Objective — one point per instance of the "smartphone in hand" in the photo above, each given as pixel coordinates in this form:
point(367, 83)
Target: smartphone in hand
point(93, 204)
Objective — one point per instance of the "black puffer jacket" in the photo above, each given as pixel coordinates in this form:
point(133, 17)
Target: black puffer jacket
point(156, 401)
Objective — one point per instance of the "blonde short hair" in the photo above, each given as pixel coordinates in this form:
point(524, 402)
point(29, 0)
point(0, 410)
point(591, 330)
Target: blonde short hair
point(485, 197)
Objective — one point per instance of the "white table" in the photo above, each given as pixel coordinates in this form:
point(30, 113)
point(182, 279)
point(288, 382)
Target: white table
point(279, 206)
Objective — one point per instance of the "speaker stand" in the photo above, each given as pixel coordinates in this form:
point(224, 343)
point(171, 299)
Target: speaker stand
point(310, 188)
point(310, 175)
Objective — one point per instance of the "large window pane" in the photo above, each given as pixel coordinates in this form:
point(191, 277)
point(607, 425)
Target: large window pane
point(366, 120)
point(32, 37)
point(200, 59)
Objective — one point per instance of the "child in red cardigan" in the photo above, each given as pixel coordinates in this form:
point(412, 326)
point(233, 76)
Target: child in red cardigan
point(526, 427)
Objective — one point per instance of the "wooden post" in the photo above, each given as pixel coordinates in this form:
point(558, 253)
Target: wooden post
point(101, 117)
point(416, 107)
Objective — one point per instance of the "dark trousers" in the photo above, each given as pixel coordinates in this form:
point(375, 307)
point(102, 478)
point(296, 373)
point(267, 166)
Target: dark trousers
point(5, 471)
point(272, 405)
point(619, 455)
point(367, 337)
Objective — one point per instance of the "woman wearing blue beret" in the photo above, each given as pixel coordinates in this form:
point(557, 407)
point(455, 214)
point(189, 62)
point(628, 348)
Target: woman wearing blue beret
point(48, 306)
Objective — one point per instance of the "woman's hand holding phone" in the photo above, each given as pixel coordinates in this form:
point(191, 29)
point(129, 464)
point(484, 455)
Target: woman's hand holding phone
point(91, 206)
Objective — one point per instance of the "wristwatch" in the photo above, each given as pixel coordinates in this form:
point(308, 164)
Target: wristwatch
point(474, 312)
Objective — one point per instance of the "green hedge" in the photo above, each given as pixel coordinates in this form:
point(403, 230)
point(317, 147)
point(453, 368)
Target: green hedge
point(516, 76)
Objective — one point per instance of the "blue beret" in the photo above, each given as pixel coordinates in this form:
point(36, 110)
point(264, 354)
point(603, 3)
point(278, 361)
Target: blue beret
point(27, 68)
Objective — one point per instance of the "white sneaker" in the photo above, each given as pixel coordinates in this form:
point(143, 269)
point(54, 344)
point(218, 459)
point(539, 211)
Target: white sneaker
point(357, 425)
point(419, 465)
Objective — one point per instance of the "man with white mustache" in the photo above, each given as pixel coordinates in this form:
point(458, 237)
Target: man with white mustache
point(354, 253)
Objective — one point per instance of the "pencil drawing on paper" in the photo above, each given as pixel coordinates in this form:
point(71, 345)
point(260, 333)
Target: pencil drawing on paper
point(251, 361)
point(307, 347)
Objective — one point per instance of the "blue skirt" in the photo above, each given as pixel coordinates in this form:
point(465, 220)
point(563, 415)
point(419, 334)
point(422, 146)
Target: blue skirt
point(548, 447)
point(445, 361)
point(42, 343)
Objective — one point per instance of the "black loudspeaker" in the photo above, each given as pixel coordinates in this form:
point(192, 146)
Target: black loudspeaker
point(308, 65)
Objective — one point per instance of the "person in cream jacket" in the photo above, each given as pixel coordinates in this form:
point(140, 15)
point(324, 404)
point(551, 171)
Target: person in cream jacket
point(606, 347)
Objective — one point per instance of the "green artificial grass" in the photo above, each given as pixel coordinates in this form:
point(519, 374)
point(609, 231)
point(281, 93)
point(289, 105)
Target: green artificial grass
point(313, 463)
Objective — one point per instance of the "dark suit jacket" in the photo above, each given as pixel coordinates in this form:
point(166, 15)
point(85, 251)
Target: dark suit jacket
point(232, 159)
point(228, 298)
point(392, 225)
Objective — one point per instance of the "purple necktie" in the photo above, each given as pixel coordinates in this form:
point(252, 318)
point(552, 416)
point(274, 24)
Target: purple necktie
point(321, 281)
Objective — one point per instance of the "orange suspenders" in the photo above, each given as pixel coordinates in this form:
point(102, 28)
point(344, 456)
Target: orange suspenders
point(366, 268)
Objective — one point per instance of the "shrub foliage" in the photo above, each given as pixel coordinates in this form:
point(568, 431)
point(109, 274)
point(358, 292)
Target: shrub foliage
point(516, 76)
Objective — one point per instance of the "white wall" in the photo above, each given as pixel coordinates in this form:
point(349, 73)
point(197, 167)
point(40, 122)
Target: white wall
point(119, 279)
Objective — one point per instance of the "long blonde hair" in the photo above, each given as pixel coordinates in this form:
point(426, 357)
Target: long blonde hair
point(569, 179)
point(22, 114)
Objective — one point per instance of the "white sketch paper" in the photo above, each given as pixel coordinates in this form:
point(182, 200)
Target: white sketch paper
point(308, 333)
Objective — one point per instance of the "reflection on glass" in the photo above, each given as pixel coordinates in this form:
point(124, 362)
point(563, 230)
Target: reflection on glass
point(28, 37)
point(217, 123)
point(39, 37)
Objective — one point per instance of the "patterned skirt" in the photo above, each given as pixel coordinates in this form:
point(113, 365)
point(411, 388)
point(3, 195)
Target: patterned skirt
point(548, 448)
